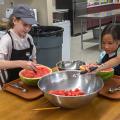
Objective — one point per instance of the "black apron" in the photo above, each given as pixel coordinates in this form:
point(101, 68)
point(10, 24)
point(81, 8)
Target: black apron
point(24, 54)
point(106, 58)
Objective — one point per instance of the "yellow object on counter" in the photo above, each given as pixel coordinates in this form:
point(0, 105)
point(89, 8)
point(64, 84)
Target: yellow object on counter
point(82, 68)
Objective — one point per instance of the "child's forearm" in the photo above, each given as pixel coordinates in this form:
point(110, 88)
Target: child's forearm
point(5, 64)
point(110, 63)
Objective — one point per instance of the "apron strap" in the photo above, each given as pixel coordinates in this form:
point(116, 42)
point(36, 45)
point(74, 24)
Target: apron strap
point(30, 42)
point(1, 83)
point(3, 77)
point(11, 39)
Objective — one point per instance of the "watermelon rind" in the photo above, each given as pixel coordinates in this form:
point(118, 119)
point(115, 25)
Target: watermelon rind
point(32, 81)
point(29, 81)
point(105, 75)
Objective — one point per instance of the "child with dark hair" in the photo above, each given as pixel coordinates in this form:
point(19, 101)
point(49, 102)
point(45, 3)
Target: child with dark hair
point(110, 42)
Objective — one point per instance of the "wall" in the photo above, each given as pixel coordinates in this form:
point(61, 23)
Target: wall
point(2, 8)
point(44, 8)
point(54, 4)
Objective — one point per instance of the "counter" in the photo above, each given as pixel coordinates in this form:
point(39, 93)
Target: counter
point(15, 108)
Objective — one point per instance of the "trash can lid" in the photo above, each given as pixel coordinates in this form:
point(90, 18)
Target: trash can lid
point(45, 30)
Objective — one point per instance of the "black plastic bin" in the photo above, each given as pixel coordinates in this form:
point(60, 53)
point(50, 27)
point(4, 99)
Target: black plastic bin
point(48, 41)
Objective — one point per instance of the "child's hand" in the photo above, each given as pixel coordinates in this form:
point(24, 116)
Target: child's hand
point(89, 67)
point(27, 64)
point(84, 68)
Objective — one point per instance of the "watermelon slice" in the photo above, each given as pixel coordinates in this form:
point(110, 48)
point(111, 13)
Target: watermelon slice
point(106, 74)
point(31, 78)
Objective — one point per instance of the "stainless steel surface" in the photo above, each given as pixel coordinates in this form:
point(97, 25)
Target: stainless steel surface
point(79, 8)
point(18, 86)
point(102, 14)
point(70, 65)
point(99, 16)
point(89, 83)
point(113, 89)
point(60, 15)
point(76, 8)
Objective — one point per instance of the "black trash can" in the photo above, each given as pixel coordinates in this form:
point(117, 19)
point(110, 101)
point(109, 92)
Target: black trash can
point(48, 41)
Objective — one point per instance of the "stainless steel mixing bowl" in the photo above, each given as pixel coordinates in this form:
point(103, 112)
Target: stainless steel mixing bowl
point(89, 83)
point(69, 65)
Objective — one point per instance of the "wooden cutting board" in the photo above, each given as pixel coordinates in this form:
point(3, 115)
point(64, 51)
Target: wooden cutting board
point(31, 94)
point(113, 82)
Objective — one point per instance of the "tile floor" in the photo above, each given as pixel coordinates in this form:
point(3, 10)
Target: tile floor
point(90, 52)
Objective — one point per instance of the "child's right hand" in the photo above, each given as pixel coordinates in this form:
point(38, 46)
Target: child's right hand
point(27, 64)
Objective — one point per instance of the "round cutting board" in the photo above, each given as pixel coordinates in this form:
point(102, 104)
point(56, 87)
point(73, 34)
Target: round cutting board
point(113, 82)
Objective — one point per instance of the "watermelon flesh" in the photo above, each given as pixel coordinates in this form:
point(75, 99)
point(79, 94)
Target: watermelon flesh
point(40, 71)
point(106, 74)
point(31, 78)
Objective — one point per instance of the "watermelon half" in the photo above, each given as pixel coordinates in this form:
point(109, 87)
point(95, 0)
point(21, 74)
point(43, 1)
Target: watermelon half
point(31, 78)
point(106, 74)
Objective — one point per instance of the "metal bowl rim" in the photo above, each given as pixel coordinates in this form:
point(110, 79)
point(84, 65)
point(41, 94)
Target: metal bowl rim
point(57, 64)
point(71, 96)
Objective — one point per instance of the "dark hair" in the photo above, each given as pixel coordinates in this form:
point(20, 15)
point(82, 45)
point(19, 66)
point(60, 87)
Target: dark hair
point(113, 29)
point(10, 23)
